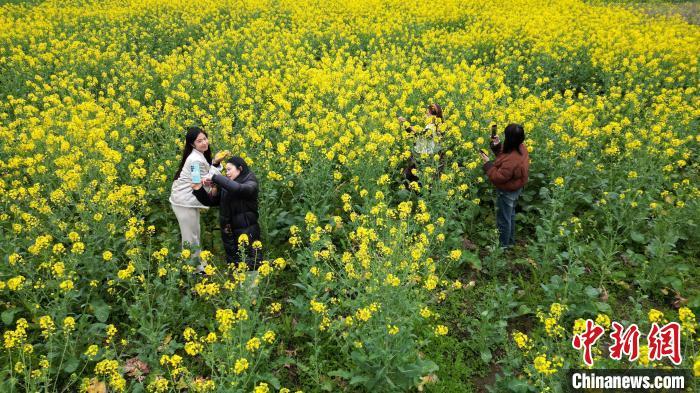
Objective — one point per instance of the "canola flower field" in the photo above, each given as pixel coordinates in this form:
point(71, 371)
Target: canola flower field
point(367, 284)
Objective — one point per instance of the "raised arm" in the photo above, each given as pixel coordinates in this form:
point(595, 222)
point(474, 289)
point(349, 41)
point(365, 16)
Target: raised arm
point(245, 189)
point(410, 127)
point(214, 170)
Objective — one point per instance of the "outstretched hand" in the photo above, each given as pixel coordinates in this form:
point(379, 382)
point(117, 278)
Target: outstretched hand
point(220, 156)
point(484, 157)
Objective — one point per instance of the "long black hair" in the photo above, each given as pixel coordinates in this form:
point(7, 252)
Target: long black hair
point(515, 135)
point(192, 134)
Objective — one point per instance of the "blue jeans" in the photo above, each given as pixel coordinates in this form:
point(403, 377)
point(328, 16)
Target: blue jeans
point(505, 216)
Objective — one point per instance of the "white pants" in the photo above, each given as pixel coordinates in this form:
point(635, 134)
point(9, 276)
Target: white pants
point(188, 218)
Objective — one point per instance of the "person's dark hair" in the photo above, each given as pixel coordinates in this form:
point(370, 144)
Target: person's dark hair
point(191, 136)
point(435, 110)
point(515, 135)
point(239, 163)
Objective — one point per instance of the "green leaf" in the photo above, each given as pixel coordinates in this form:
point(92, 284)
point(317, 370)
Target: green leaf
point(358, 357)
point(273, 381)
point(486, 355)
point(137, 388)
point(473, 260)
point(516, 385)
point(637, 237)
point(8, 316)
point(591, 292)
point(694, 301)
point(340, 373)
point(618, 275)
point(603, 307)
point(523, 309)
point(427, 366)
point(71, 365)
point(588, 198)
point(100, 309)
point(676, 283)
point(358, 379)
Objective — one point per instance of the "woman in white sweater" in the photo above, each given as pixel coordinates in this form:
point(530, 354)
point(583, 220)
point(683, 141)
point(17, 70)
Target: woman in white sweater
point(196, 153)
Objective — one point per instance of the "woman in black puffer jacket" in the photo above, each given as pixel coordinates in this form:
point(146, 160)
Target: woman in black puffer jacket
point(237, 195)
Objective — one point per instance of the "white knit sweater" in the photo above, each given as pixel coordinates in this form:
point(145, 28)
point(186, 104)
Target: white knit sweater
point(181, 191)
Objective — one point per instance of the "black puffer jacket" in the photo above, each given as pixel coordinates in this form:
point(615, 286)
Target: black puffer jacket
point(238, 200)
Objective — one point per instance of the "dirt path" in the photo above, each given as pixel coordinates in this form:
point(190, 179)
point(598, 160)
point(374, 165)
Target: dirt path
point(688, 10)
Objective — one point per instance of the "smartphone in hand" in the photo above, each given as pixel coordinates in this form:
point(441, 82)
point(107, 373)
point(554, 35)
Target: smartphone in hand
point(494, 129)
point(196, 175)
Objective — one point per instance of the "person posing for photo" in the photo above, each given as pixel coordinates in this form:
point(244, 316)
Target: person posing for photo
point(196, 164)
point(426, 139)
point(509, 174)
